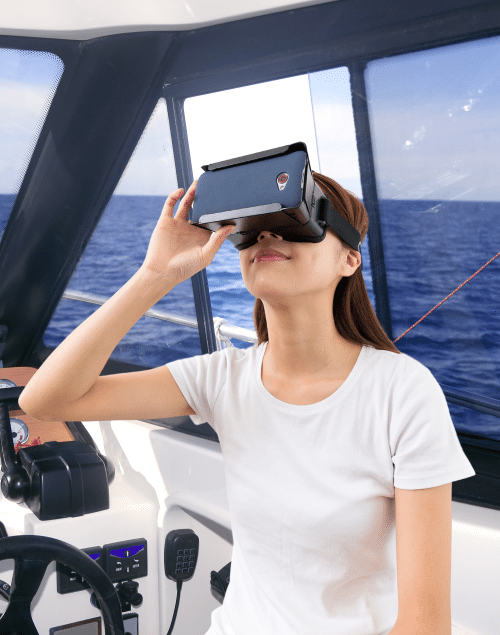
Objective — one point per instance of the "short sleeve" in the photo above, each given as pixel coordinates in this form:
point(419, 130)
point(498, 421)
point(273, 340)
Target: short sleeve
point(425, 448)
point(200, 379)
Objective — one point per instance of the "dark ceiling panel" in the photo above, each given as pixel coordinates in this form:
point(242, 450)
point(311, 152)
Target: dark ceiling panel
point(309, 39)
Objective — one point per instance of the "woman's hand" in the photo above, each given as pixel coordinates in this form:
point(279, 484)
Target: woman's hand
point(177, 249)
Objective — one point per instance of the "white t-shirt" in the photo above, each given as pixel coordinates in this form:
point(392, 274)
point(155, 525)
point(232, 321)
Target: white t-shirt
point(311, 488)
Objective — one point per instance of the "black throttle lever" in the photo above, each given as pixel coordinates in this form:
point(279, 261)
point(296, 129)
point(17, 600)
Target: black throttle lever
point(128, 595)
point(15, 482)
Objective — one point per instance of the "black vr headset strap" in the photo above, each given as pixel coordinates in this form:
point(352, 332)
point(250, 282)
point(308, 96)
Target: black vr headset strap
point(339, 224)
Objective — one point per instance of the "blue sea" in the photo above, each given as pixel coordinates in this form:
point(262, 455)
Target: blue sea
point(430, 248)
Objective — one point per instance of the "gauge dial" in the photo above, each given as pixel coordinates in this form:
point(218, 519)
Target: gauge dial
point(20, 432)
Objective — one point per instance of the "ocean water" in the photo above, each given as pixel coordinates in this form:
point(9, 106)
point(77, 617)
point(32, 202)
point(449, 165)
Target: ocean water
point(430, 248)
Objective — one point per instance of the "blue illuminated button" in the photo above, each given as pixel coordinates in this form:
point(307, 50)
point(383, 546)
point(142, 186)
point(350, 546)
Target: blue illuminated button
point(127, 552)
point(126, 560)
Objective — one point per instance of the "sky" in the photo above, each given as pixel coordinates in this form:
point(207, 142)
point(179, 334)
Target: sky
point(245, 120)
point(28, 80)
point(434, 120)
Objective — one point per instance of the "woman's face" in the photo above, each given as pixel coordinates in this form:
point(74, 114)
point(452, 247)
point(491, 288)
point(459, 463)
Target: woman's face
point(304, 268)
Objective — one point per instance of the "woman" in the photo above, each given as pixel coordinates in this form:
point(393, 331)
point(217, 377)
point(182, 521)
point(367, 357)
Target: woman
point(325, 429)
point(312, 348)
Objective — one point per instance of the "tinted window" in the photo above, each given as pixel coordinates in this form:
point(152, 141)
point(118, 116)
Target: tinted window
point(436, 133)
point(336, 139)
point(117, 250)
point(28, 81)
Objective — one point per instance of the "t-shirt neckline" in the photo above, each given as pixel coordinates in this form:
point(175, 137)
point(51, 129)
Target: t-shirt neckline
point(320, 405)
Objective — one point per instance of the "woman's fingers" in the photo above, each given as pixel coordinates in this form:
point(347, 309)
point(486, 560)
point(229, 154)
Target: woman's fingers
point(186, 203)
point(215, 241)
point(172, 199)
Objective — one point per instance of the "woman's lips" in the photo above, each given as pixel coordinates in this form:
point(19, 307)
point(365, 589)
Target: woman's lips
point(269, 258)
point(269, 254)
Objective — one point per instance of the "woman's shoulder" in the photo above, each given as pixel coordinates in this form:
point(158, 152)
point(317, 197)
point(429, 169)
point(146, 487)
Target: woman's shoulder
point(232, 354)
point(217, 358)
point(401, 364)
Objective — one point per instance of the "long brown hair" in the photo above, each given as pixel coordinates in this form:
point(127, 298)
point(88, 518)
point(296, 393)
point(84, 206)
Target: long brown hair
point(353, 313)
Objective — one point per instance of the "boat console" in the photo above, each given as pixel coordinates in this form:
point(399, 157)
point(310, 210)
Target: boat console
point(88, 569)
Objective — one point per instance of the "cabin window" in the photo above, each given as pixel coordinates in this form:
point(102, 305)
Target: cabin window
point(336, 140)
point(313, 108)
point(436, 133)
point(28, 81)
point(116, 251)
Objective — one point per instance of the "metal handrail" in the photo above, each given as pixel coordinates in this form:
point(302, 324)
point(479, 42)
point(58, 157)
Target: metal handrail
point(223, 331)
point(466, 399)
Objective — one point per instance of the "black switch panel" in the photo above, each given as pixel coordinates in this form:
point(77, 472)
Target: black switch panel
point(69, 581)
point(126, 560)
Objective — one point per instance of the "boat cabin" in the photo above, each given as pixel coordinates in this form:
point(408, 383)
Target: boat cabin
point(106, 108)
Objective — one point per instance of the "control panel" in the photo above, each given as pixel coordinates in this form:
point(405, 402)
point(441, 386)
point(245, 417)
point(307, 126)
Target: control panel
point(125, 560)
point(120, 560)
point(69, 581)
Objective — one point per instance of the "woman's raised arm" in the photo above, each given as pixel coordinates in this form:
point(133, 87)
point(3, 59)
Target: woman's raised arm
point(68, 385)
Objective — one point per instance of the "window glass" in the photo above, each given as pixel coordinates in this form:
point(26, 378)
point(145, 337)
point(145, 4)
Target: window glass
point(315, 109)
point(28, 81)
point(436, 133)
point(336, 139)
point(117, 250)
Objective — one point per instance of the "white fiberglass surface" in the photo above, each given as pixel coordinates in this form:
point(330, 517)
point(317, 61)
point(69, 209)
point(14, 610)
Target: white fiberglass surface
point(92, 18)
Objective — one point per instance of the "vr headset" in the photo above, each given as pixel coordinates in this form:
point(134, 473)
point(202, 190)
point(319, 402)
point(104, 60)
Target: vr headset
point(272, 190)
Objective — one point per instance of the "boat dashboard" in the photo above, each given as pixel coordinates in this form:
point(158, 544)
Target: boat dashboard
point(154, 507)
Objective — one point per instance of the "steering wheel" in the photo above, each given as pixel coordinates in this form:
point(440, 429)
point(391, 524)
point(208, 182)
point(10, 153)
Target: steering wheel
point(32, 555)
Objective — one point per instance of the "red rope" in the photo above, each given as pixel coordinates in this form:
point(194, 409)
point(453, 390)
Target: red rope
point(448, 296)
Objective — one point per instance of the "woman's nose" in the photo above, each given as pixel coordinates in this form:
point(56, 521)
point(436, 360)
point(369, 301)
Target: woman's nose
point(265, 233)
